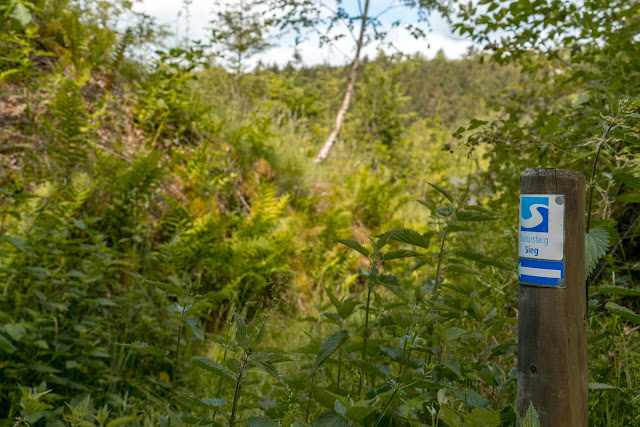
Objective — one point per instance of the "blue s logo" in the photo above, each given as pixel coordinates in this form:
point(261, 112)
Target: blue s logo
point(534, 214)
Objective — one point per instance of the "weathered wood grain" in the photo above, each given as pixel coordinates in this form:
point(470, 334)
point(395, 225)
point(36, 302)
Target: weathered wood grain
point(552, 337)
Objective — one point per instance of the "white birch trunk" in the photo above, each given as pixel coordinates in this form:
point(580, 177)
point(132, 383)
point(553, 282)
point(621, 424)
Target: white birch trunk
point(333, 137)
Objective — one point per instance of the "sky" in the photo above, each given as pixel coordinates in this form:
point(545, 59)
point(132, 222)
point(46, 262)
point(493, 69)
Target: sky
point(172, 14)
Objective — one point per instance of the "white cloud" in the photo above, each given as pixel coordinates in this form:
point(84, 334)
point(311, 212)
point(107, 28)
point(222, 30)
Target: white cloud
point(172, 14)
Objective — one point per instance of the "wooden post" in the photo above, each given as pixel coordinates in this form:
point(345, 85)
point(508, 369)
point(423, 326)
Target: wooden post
point(552, 333)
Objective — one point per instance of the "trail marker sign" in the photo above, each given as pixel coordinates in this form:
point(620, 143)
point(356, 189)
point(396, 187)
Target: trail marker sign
point(542, 272)
point(552, 313)
point(541, 238)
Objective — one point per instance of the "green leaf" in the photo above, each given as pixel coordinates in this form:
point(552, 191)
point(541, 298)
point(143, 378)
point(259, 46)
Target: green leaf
point(585, 97)
point(14, 214)
point(355, 246)
point(473, 213)
point(377, 369)
point(17, 242)
point(213, 367)
point(358, 413)
point(242, 331)
point(622, 312)
point(610, 227)
point(214, 402)
point(147, 348)
point(328, 348)
point(531, 419)
point(400, 253)
point(629, 198)
point(347, 307)
point(334, 300)
point(453, 333)
point(267, 367)
point(81, 410)
point(453, 366)
point(6, 345)
point(619, 290)
point(475, 123)
point(392, 283)
point(450, 417)
point(471, 398)
point(460, 268)
point(275, 356)
point(106, 302)
point(30, 401)
point(261, 421)
point(177, 308)
point(442, 191)
point(602, 386)
point(176, 421)
point(196, 327)
point(22, 14)
point(404, 319)
point(481, 417)
point(16, 331)
point(172, 288)
point(330, 419)
point(596, 245)
point(482, 259)
point(632, 138)
point(410, 237)
point(326, 398)
point(189, 399)
point(120, 421)
point(626, 179)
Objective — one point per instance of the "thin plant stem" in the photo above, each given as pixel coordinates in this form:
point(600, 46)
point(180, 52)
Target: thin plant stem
point(386, 407)
point(175, 368)
point(236, 391)
point(429, 308)
point(605, 137)
point(366, 332)
point(339, 369)
point(313, 378)
point(403, 365)
point(366, 316)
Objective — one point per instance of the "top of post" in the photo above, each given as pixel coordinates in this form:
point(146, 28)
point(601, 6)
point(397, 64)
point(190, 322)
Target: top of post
point(548, 172)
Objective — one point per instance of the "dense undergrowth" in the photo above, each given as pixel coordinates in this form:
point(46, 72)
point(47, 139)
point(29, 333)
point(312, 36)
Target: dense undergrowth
point(169, 254)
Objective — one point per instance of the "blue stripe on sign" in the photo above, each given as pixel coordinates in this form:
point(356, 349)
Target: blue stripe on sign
point(543, 264)
point(540, 272)
point(539, 280)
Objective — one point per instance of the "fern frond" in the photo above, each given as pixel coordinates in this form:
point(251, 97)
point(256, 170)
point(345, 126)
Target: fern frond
point(69, 149)
point(266, 210)
point(80, 188)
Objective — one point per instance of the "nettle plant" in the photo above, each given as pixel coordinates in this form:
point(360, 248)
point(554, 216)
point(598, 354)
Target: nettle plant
point(398, 357)
point(243, 355)
point(395, 354)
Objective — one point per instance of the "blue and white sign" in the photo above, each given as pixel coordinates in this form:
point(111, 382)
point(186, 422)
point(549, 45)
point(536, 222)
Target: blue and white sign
point(541, 226)
point(541, 272)
point(534, 215)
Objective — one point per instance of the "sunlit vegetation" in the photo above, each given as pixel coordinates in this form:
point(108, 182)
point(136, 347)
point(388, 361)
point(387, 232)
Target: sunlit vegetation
point(171, 255)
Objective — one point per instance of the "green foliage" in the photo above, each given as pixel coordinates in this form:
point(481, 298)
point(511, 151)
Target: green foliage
point(241, 31)
point(164, 235)
point(69, 148)
point(531, 418)
point(622, 312)
point(165, 105)
point(596, 245)
point(328, 348)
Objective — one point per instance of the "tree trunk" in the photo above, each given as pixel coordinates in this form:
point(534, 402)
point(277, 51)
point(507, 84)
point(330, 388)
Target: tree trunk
point(333, 137)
